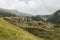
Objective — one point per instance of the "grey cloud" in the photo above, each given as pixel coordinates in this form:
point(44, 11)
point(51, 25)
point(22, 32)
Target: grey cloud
point(42, 7)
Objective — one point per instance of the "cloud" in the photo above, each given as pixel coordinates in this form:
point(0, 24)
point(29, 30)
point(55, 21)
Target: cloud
point(32, 6)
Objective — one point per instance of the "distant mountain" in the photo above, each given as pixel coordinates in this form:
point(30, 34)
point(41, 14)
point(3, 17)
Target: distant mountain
point(37, 18)
point(6, 12)
point(20, 13)
point(44, 17)
point(41, 17)
point(55, 18)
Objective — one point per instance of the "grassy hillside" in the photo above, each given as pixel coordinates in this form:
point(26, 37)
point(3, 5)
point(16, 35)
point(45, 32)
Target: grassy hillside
point(17, 32)
point(48, 31)
point(11, 32)
point(47, 35)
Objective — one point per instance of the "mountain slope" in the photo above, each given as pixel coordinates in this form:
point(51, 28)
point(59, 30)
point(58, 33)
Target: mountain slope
point(11, 32)
point(13, 12)
point(6, 13)
point(55, 18)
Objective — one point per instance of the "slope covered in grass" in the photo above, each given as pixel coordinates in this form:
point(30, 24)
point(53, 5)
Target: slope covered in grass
point(11, 32)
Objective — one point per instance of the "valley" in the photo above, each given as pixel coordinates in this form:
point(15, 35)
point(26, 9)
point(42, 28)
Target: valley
point(39, 27)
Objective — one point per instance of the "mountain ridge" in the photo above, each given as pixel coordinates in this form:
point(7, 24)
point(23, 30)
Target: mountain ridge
point(17, 13)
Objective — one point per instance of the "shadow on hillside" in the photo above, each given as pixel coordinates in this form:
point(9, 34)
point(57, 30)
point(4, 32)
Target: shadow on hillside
point(38, 32)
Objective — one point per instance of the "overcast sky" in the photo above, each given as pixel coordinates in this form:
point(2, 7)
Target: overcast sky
point(41, 7)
